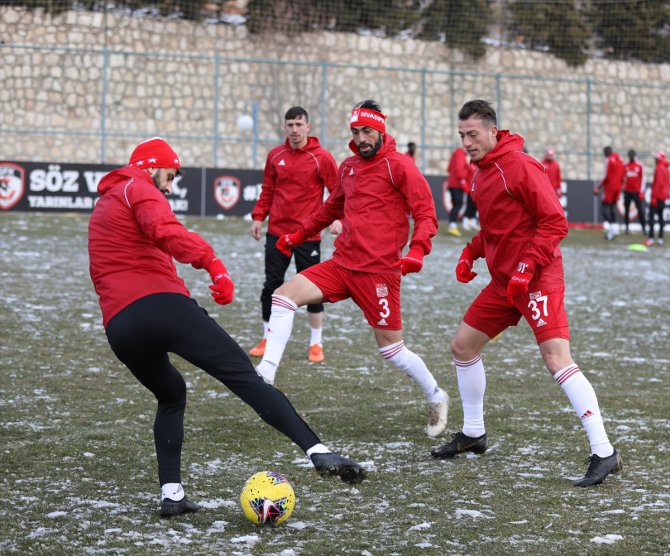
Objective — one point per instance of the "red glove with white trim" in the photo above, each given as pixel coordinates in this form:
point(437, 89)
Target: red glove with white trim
point(286, 243)
point(223, 288)
point(518, 283)
point(412, 262)
point(464, 267)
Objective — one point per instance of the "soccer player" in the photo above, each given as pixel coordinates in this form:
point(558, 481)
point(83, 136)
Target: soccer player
point(522, 223)
point(660, 188)
point(457, 183)
point(633, 191)
point(611, 185)
point(147, 313)
point(553, 170)
point(377, 189)
point(296, 174)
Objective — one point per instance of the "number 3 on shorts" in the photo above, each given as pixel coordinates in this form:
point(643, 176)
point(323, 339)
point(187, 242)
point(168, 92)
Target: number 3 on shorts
point(533, 305)
point(385, 312)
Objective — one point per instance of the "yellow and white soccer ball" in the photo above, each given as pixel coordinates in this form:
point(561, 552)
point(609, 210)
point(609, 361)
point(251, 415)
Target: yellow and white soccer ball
point(267, 498)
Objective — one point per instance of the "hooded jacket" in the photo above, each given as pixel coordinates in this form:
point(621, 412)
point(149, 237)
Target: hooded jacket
point(660, 186)
point(612, 183)
point(133, 236)
point(293, 184)
point(520, 215)
point(458, 171)
point(374, 198)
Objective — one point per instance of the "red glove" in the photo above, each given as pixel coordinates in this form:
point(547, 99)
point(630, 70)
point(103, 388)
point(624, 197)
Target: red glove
point(518, 283)
point(641, 195)
point(223, 287)
point(412, 262)
point(464, 267)
point(286, 243)
point(654, 202)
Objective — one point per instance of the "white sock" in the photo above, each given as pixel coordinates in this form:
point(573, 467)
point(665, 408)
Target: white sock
point(472, 386)
point(266, 327)
point(316, 336)
point(585, 403)
point(279, 332)
point(173, 491)
point(415, 368)
point(317, 449)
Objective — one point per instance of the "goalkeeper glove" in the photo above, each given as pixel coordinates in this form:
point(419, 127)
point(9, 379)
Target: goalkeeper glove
point(412, 262)
point(518, 283)
point(464, 267)
point(286, 243)
point(222, 287)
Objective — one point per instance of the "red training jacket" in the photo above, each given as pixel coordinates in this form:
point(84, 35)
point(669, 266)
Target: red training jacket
point(613, 180)
point(374, 198)
point(553, 170)
point(458, 170)
point(132, 237)
point(520, 216)
point(660, 187)
point(293, 183)
point(633, 177)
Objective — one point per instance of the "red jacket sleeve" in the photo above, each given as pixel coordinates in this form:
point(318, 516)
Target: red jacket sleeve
point(158, 222)
point(538, 195)
point(419, 196)
point(332, 209)
point(262, 207)
point(328, 168)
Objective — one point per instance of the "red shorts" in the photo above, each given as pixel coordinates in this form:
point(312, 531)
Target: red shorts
point(378, 295)
point(611, 196)
point(490, 313)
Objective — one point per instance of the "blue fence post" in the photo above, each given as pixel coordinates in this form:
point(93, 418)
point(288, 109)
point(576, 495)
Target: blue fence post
point(324, 100)
point(254, 146)
point(217, 97)
point(423, 119)
point(103, 107)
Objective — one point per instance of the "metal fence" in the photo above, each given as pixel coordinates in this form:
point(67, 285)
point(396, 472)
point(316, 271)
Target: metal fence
point(93, 104)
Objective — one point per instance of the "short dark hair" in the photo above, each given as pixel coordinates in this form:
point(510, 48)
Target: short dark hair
point(296, 112)
point(480, 109)
point(371, 104)
point(411, 145)
point(631, 153)
point(607, 151)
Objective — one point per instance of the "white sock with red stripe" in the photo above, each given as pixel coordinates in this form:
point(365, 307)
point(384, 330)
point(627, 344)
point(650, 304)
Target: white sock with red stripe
point(472, 386)
point(415, 368)
point(585, 403)
point(279, 332)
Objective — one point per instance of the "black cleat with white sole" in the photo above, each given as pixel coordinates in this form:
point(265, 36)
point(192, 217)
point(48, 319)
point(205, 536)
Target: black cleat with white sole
point(599, 468)
point(460, 443)
point(334, 464)
point(171, 507)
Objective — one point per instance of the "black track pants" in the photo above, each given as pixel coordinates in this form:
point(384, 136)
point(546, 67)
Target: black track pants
point(141, 336)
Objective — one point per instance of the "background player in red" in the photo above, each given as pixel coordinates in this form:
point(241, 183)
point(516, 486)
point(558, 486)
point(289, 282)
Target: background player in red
point(553, 169)
point(660, 187)
point(633, 190)
point(470, 221)
point(377, 189)
point(522, 223)
point(296, 174)
point(457, 182)
point(148, 312)
point(611, 185)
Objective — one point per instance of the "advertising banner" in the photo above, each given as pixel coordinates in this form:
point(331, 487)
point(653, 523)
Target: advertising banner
point(216, 192)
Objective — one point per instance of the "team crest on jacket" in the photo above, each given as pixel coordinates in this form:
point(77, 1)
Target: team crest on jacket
point(227, 191)
point(382, 290)
point(12, 184)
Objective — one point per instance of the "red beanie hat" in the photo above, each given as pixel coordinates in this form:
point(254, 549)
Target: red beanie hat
point(154, 153)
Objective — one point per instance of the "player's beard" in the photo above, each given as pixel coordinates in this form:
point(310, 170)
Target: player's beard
point(373, 151)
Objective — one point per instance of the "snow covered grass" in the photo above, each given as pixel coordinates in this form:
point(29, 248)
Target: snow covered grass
point(77, 456)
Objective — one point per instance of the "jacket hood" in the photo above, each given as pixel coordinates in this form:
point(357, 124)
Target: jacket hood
point(507, 143)
point(111, 179)
point(388, 145)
